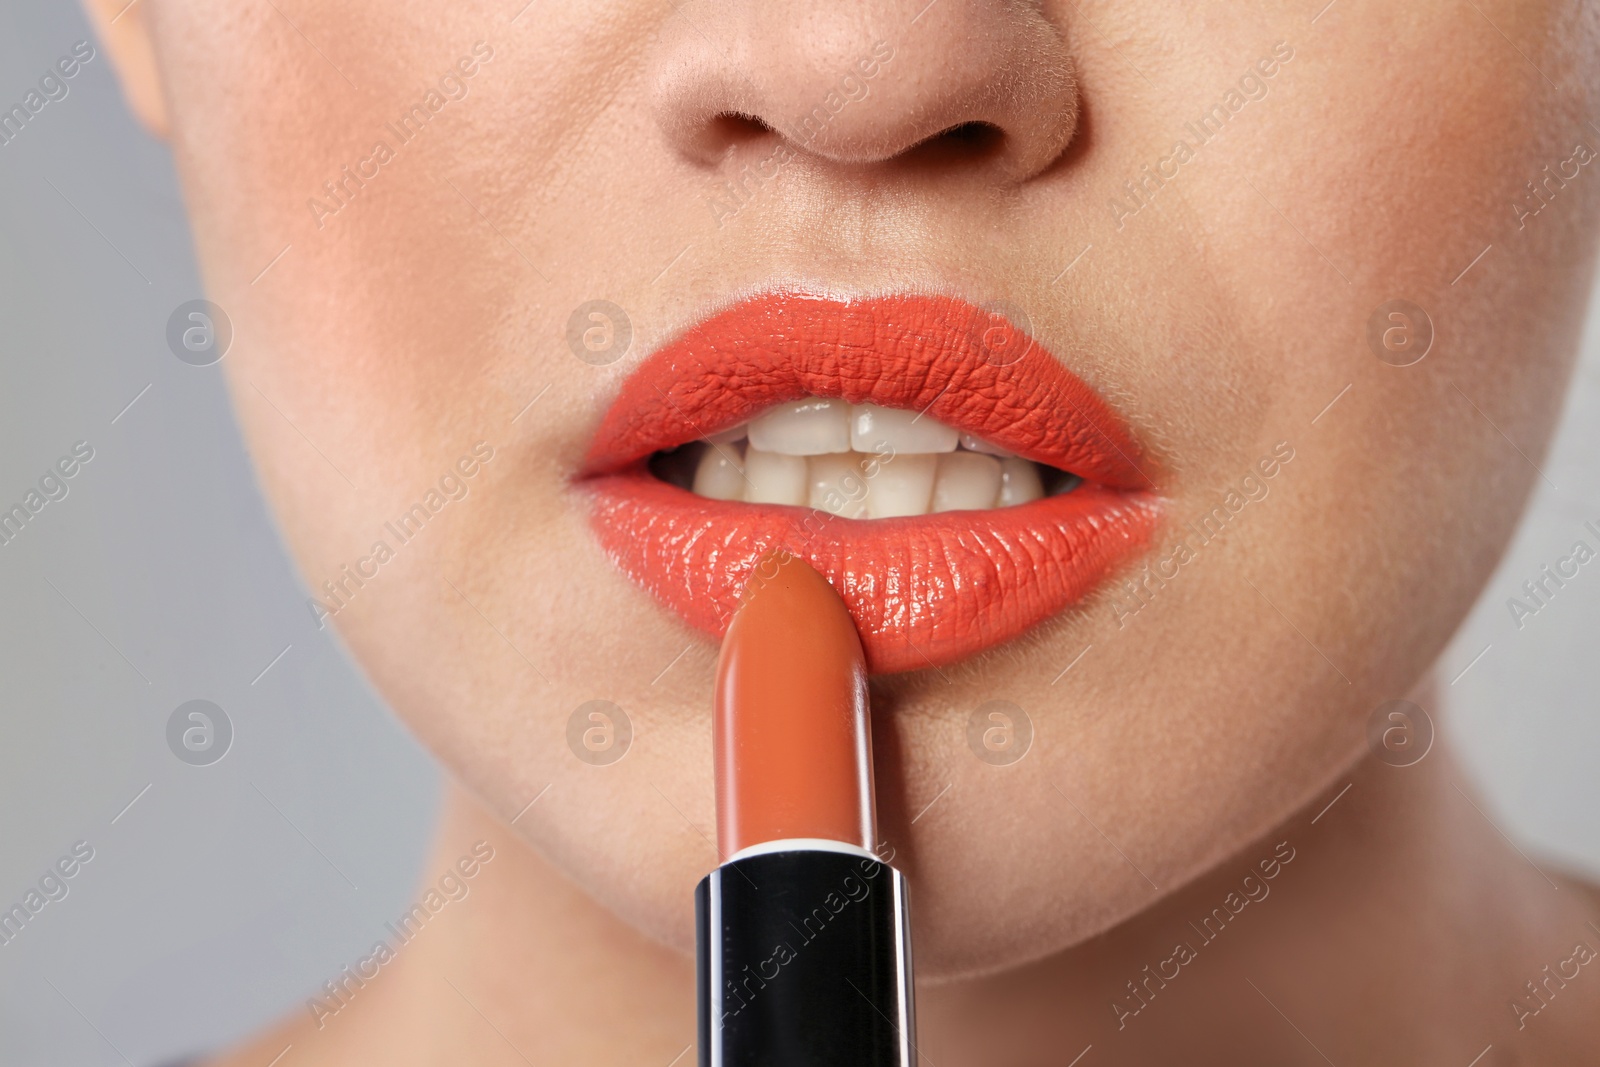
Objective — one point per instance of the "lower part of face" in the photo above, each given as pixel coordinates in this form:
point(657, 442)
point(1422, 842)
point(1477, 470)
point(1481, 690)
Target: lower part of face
point(1245, 202)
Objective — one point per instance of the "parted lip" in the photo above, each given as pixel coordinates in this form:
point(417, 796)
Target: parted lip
point(924, 590)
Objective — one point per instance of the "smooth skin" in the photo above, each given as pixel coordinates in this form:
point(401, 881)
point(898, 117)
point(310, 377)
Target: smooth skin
point(593, 156)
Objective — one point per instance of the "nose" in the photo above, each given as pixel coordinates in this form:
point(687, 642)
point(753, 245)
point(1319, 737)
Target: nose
point(862, 82)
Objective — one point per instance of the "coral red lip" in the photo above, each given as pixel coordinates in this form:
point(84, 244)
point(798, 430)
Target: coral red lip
point(925, 590)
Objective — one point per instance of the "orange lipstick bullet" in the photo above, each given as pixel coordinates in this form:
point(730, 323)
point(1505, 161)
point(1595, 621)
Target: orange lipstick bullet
point(803, 934)
point(792, 736)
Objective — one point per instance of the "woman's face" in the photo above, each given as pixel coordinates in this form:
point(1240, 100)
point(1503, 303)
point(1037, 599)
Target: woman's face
point(1205, 213)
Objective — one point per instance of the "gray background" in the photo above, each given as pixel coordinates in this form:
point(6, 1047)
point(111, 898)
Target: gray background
point(224, 894)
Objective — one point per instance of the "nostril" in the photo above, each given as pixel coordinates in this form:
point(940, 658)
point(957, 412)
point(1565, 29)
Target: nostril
point(737, 126)
point(970, 134)
point(965, 141)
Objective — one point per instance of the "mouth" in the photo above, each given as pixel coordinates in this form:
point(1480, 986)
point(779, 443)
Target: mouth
point(952, 480)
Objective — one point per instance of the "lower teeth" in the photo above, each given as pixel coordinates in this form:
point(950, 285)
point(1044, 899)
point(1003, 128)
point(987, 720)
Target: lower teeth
point(860, 485)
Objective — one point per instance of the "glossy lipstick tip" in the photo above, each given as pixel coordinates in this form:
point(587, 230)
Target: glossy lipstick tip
point(792, 738)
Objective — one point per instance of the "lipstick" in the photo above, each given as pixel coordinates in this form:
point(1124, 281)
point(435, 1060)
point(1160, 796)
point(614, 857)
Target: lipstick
point(803, 936)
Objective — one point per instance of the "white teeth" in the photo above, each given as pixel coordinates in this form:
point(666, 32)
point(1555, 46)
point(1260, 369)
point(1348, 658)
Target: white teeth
point(966, 481)
point(872, 428)
point(978, 444)
point(1019, 482)
point(838, 487)
point(811, 427)
point(818, 426)
point(720, 473)
point(902, 486)
point(861, 461)
point(772, 478)
point(730, 435)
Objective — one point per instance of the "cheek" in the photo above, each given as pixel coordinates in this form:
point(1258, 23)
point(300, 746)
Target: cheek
point(393, 295)
point(1414, 202)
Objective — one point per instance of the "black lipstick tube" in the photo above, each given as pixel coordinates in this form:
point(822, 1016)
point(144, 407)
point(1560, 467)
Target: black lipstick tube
point(804, 959)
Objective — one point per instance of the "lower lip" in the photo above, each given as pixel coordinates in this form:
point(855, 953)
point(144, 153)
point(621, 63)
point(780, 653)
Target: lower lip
point(923, 591)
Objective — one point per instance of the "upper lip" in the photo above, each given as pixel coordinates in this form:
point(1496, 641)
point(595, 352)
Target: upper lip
point(923, 590)
point(965, 366)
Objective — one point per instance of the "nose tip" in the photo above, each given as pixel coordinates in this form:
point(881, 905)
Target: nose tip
point(865, 83)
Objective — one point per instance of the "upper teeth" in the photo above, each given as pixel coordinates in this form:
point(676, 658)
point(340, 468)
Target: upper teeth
point(861, 461)
point(817, 426)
